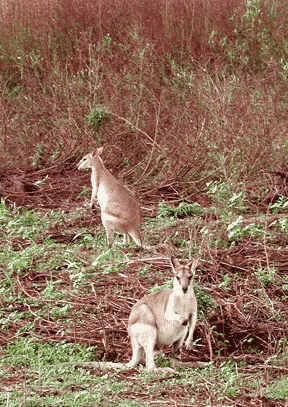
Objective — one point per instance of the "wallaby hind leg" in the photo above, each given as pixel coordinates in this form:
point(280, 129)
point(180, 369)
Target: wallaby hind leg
point(144, 339)
point(109, 235)
point(143, 335)
point(149, 349)
point(109, 227)
point(138, 353)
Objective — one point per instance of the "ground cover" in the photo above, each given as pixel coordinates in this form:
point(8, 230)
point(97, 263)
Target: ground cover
point(65, 297)
point(190, 103)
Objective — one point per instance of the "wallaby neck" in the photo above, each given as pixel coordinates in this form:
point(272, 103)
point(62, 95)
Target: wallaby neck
point(178, 306)
point(99, 172)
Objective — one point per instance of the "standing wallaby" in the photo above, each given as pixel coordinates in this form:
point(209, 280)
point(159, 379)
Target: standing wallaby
point(164, 317)
point(120, 211)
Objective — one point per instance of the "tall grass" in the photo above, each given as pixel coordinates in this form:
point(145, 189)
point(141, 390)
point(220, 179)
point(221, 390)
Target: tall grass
point(180, 92)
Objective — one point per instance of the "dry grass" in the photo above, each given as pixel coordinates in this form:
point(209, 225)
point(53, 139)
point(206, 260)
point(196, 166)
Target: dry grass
point(177, 92)
point(248, 321)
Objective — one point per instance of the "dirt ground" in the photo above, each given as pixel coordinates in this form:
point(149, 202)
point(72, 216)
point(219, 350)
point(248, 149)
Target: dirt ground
point(246, 324)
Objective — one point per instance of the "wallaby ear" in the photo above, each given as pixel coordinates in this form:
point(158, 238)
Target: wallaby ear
point(100, 150)
point(174, 263)
point(94, 152)
point(194, 264)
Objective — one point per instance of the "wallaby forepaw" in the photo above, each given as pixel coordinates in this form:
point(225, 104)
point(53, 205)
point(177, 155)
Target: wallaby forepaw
point(189, 345)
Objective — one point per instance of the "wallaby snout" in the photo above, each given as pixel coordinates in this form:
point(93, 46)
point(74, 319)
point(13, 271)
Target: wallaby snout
point(184, 283)
point(165, 317)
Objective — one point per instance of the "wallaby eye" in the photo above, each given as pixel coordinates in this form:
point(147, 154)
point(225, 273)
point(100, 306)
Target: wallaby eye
point(178, 278)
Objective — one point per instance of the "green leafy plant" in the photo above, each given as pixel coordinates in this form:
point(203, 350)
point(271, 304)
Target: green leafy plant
point(167, 285)
point(254, 38)
point(280, 206)
point(145, 270)
point(281, 224)
point(84, 192)
point(38, 154)
point(205, 300)
point(231, 378)
point(237, 231)
point(224, 194)
point(278, 390)
point(226, 281)
point(183, 210)
point(27, 352)
point(265, 276)
point(97, 117)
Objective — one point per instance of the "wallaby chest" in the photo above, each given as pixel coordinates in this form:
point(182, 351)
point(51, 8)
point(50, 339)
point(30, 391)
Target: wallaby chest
point(105, 184)
point(103, 195)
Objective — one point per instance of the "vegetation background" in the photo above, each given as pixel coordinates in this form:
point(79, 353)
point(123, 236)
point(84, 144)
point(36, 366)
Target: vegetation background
point(180, 92)
point(190, 100)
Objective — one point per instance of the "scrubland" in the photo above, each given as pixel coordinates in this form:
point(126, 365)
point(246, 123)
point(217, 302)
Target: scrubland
point(189, 100)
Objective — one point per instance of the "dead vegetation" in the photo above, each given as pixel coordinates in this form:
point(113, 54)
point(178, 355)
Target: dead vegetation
point(250, 316)
point(180, 95)
point(247, 324)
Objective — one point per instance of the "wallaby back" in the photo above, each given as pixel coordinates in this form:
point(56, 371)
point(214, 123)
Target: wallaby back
point(120, 211)
point(165, 317)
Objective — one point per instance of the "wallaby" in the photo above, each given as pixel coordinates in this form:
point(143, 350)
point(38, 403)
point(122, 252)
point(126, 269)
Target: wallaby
point(164, 317)
point(120, 211)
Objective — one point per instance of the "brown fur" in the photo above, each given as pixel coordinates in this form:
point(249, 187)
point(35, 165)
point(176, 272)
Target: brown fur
point(120, 211)
point(165, 317)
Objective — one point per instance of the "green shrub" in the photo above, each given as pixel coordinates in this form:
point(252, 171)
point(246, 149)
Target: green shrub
point(183, 210)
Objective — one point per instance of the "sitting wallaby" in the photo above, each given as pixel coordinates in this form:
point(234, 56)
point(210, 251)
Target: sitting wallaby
point(164, 317)
point(120, 211)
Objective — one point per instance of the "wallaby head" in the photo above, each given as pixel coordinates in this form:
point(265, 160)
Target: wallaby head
point(183, 275)
point(89, 159)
